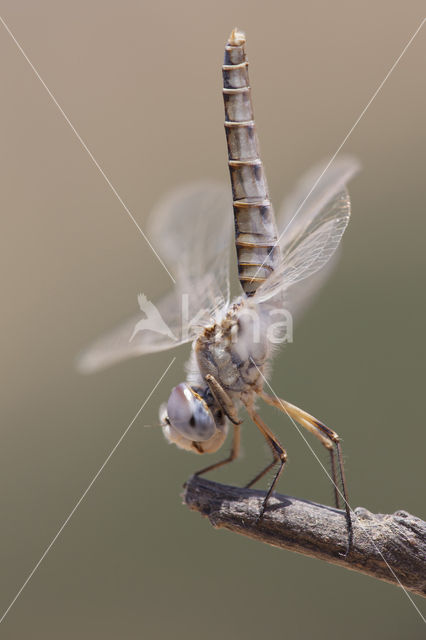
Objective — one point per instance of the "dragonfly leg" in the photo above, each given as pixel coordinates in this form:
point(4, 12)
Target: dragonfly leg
point(278, 452)
point(264, 471)
point(223, 399)
point(329, 438)
point(232, 455)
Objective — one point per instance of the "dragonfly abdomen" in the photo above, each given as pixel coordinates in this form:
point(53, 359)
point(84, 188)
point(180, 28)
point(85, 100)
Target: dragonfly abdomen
point(255, 229)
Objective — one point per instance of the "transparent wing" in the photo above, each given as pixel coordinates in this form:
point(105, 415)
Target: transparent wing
point(311, 224)
point(191, 228)
point(118, 344)
point(312, 192)
point(301, 295)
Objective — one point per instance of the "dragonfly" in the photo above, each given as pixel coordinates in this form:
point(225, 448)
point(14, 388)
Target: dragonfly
point(282, 260)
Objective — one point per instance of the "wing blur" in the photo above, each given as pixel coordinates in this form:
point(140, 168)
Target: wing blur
point(311, 223)
point(192, 229)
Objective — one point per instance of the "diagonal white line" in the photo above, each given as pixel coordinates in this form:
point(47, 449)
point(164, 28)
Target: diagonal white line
point(90, 485)
point(348, 134)
point(86, 148)
point(281, 235)
point(339, 492)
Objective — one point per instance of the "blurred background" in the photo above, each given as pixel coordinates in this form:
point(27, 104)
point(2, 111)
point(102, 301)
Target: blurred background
point(141, 83)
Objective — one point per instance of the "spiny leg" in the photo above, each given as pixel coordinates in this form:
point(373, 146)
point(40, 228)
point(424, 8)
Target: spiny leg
point(333, 474)
point(223, 399)
point(279, 453)
point(235, 449)
point(329, 439)
point(264, 471)
point(316, 428)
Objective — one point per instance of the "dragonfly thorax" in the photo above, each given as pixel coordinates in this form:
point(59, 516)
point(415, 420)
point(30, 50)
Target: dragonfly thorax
point(235, 350)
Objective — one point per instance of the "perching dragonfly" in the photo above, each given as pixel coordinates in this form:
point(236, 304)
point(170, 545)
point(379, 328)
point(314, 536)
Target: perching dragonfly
point(232, 342)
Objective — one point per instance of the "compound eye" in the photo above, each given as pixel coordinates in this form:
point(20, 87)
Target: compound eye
point(189, 414)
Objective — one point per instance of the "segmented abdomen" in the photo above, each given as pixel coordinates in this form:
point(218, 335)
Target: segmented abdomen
point(255, 229)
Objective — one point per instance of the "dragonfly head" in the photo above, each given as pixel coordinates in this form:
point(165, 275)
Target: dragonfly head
point(189, 423)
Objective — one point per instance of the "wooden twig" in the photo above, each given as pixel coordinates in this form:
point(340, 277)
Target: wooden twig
point(387, 547)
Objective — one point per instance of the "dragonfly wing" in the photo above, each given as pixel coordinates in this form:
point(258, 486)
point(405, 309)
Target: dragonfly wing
point(312, 192)
point(146, 332)
point(192, 229)
point(314, 219)
point(301, 295)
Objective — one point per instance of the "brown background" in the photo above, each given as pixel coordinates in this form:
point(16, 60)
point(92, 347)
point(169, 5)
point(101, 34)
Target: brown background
point(141, 84)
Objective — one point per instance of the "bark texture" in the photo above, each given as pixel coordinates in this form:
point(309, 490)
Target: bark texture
point(390, 547)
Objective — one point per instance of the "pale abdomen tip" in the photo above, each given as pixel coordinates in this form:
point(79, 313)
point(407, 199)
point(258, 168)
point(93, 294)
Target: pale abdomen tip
point(237, 38)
